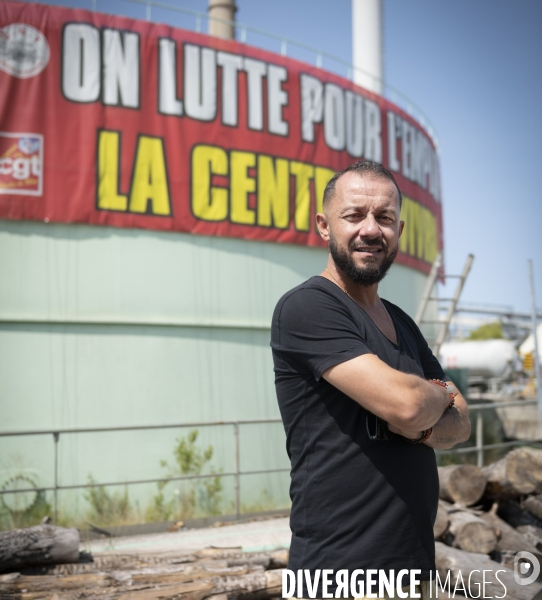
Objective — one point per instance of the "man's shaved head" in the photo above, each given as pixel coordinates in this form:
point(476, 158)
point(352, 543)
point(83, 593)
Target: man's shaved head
point(366, 168)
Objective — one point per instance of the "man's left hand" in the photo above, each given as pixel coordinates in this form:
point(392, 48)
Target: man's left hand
point(451, 429)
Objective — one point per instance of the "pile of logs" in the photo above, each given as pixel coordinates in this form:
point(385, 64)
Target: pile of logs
point(224, 574)
point(491, 514)
point(485, 517)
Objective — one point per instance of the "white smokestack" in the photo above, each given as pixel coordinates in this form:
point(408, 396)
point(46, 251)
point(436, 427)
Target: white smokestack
point(367, 51)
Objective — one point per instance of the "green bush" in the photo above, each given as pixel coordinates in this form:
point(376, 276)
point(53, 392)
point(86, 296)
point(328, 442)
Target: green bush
point(107, 508)
point(197, 497)
point(487, 331)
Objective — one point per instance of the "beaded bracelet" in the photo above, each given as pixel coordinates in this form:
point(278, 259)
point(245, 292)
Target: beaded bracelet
point(423, 437)
point(447, 387)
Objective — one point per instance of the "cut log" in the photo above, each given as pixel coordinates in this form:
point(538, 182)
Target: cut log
point(40, 545)
point(536, 454)
point(533, 534)
point(468, 532)
point(516, 516)
point(508, 538)
point(519, 472)
point(441, 522)
point(50, 583)
point(461, 484)
point(469, 568)
point(534, 505)
point(279, 559)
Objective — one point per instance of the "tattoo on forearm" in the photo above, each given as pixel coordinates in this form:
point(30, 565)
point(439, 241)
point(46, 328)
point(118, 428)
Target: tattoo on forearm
point(445, 440)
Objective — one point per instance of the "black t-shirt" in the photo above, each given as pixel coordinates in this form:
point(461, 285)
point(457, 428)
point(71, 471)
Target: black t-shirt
point(357, 503)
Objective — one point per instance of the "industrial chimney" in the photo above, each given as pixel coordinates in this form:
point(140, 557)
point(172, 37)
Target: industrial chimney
point(221, 18)
point(367, 51)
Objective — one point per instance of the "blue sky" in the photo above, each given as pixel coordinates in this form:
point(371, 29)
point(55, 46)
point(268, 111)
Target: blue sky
point(473, 66)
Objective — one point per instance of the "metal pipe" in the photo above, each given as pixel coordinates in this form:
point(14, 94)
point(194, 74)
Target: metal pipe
point(82, 486)
point(453, 304)
point(498, 312)
point(237, 473)
point(491, 446)
point(283, 47)
point(535, 339)
point(139, 427)
point(222, 18)
point(153, 322)
point(428, 288)
point(56, 437)
point(480, 440)
point(500, 404)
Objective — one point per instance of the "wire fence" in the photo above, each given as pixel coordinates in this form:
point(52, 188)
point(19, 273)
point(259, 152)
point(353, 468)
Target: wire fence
point(479, 448)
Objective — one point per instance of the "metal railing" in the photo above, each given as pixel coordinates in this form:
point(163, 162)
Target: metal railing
point(56, 433)
point(479, 448)
point(334, 63)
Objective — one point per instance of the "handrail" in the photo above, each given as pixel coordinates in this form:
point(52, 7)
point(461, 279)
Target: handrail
point(140, 427)
point(168, 322)
point(391, 92)
point(56, 433)
point(479, 448)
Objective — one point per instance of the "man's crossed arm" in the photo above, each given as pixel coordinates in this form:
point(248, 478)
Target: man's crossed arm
point(408, 403)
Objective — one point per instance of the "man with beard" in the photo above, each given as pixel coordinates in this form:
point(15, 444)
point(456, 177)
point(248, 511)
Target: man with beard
point(363, 400)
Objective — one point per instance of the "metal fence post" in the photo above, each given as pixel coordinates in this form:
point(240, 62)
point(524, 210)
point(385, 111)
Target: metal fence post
point(479, 440)
point(283, 47)
point(237, 475)
point(56, 437)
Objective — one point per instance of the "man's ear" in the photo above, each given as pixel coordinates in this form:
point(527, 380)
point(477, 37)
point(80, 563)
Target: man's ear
point(401, 227)
point(323, 226)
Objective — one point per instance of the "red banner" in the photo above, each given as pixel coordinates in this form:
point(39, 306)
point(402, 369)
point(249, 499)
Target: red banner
point(112, 121)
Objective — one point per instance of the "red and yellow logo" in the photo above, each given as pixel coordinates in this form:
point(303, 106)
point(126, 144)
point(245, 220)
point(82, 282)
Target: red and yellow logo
point(21, 161)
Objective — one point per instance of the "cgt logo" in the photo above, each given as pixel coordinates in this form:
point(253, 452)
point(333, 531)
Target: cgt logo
point(526, 568)
point(21, 161)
